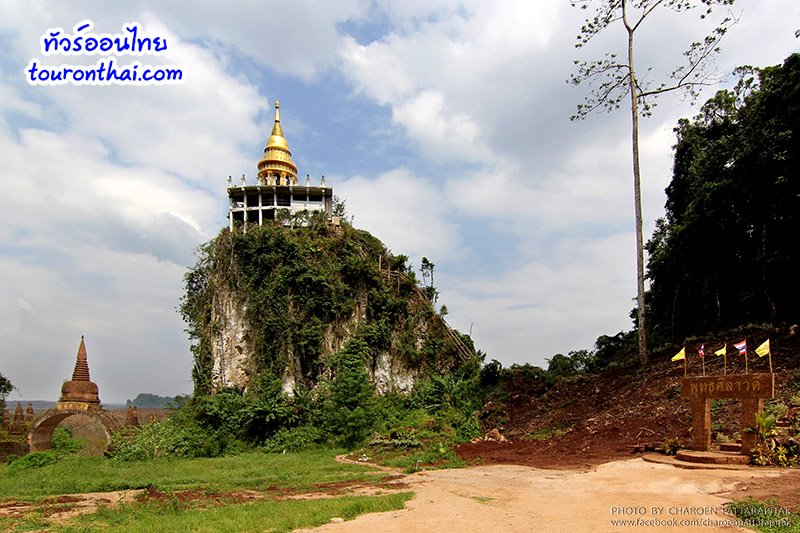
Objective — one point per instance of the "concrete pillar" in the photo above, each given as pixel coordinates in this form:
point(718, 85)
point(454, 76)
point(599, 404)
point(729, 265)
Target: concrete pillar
point(749, 409)
point(244, 217)
point(701, 424)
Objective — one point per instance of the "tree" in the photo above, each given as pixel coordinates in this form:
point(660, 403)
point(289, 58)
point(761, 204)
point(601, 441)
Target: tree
point(339, 207)
point(562, 366)
point(613, 81)
point(5, 388)
point(350, 409)
point(427, 279)
point(732, 207)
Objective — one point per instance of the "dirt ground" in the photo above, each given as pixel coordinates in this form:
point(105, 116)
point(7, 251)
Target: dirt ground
point(510, 498)
point(514, 498)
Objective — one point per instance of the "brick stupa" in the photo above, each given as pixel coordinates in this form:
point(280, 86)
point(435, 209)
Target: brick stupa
point(80, 392)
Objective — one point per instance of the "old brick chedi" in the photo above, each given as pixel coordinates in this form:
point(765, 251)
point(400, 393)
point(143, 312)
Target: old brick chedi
point(80, 388)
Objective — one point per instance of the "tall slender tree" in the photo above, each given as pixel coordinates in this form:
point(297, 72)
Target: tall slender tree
point(612, 81)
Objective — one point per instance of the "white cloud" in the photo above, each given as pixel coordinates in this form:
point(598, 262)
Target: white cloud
point(551, 305)
point(99, 215)
point(408, 213)
point(379, 75)
point(440, 136)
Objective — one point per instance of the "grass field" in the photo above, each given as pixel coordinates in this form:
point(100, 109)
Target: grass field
point(248, 492)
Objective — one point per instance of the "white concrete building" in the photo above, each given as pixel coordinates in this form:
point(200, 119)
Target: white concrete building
point(276, 187)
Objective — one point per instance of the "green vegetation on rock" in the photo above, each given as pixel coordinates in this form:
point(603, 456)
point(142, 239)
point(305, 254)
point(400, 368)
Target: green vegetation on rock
point(305, 292)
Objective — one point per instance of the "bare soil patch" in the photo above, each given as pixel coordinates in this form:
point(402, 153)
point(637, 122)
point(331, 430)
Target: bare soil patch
point(512, 498)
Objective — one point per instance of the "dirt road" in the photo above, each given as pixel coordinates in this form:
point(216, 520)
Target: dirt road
point(506, 498)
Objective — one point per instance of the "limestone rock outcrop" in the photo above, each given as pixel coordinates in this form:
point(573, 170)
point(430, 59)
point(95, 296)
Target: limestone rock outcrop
point(281, 302)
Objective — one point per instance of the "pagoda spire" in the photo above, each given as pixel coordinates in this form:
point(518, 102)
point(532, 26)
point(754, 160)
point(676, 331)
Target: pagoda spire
point(277, 161)
point(80, 392)
point(276, 129)
point(81, 372)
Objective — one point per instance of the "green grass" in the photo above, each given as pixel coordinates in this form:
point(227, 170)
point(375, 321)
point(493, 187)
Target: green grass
point(256, 471)
point(267, 515)
point(430, 454)
point(220, 479)
point(762, 515)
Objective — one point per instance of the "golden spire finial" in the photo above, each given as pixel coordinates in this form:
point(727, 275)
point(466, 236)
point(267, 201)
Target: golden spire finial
point(276, 129)
point(277, 160)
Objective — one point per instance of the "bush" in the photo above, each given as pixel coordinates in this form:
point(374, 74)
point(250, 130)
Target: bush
point(34, 460)
point(170, 438)
point(62, 442)
point(61, 445)
point(295, 439)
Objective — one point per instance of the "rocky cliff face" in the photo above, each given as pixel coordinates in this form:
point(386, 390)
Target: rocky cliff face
point(234, 361)
point(232, 347)
point(282, 301)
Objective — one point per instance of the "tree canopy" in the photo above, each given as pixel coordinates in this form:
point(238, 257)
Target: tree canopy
point(727, 252)
point(5, 388)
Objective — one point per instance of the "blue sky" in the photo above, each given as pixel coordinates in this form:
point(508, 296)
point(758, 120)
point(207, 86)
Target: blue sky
point(443, 124)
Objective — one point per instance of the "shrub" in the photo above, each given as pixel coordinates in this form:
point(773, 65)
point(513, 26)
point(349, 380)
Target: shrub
point(34, 460)
point(670, 446)
point(63, 443)
point(295, 439)
point(169, 438)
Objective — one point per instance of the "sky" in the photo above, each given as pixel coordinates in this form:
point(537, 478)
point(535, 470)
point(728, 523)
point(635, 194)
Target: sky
point(444, 125)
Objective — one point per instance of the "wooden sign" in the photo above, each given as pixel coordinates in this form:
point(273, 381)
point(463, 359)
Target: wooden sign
point(736, 386)
point(751, 389)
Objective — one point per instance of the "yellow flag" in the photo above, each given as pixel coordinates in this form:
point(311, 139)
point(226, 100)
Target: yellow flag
point(722, 350)
point(763, 349)
point(680, 355)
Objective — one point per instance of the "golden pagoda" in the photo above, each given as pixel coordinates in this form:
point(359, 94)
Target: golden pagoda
point(276, 191)
point(277, 162)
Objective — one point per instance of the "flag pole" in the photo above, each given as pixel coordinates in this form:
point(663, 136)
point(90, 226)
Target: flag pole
point(725, 362)
point(769, 353)
point(745, 356)
point(704, 365)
